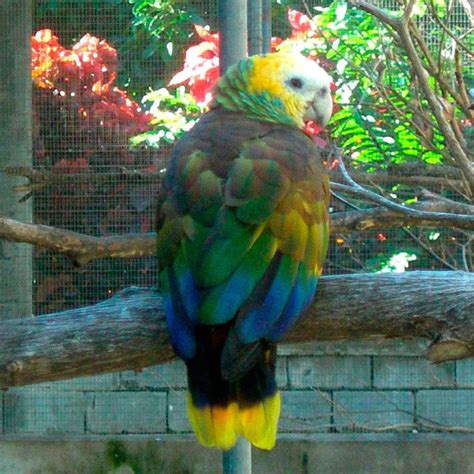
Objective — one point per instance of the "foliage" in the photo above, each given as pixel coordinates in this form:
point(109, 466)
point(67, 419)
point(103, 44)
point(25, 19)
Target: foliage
point(166, 23)
point(375, 86)
point(69, 19)
point(82, 123)
point(174, 114)
point(374, 83)
point(385, 121)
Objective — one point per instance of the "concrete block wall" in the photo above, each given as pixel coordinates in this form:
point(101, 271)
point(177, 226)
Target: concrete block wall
point(331, 387)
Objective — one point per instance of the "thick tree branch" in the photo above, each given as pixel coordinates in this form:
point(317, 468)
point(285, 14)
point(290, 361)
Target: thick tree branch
point(79, 247)
point(128, 330)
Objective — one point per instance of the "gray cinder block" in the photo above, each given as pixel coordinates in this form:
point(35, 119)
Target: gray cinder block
point(366, 410)
point(329, 372)
point(172, 374)
point(126, 412)
point(411, 372)
point(308, 411)
point(446, 407)
point(44, 412)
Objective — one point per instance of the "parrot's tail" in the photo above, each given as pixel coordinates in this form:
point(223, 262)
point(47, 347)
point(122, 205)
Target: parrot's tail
point(220, 410)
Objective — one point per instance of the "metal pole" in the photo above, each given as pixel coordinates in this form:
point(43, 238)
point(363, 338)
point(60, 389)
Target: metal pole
point(233, 32)
point(238, 460)
point(266, 25)
point(255, 27)
point(233, 48)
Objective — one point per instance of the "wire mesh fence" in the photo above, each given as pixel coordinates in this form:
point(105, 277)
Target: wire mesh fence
point(93, 62)
point(113, 202)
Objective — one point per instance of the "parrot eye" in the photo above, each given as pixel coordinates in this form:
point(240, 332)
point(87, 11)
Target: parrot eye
point(296, 83)
point(323, 91)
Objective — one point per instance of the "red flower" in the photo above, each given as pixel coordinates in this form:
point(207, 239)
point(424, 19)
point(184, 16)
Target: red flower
point(301, 25)
point(201, 66)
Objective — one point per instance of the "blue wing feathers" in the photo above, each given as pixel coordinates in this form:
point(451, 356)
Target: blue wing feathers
point(257, 322)
point(301, 295)
point(180, 326)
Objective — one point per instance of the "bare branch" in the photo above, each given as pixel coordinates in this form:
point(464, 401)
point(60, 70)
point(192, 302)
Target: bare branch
point(356, 190)
point(456, 149)
point(378, 13)
point(406, 31)
point(428, 250)
point(80, 248)
point(447, 31)
point(453, 206)
point(460, 81)
point(128, 331)
point(84, 248)
point(435, 70)
point(382, 218)
point(408, 11)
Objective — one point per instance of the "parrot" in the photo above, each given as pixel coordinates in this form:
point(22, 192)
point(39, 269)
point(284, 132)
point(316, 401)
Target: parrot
point(242, 234)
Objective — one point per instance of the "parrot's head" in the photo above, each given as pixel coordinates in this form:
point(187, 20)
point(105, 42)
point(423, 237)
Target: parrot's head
point(278, 87)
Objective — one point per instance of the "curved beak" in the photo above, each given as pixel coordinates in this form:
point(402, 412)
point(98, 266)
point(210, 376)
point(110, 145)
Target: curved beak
point(319, 109)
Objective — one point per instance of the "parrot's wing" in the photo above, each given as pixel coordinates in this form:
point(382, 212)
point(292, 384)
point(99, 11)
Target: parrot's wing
point(249, 247)
point(189, 203)
point(264, 255)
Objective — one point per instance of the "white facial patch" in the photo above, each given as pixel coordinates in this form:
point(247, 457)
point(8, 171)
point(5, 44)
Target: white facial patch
point(313, 84)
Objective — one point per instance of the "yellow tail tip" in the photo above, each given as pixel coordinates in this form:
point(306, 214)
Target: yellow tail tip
point(220, 426)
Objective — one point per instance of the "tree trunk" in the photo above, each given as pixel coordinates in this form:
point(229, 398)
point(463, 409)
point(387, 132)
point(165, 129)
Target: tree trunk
point(15, 150)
